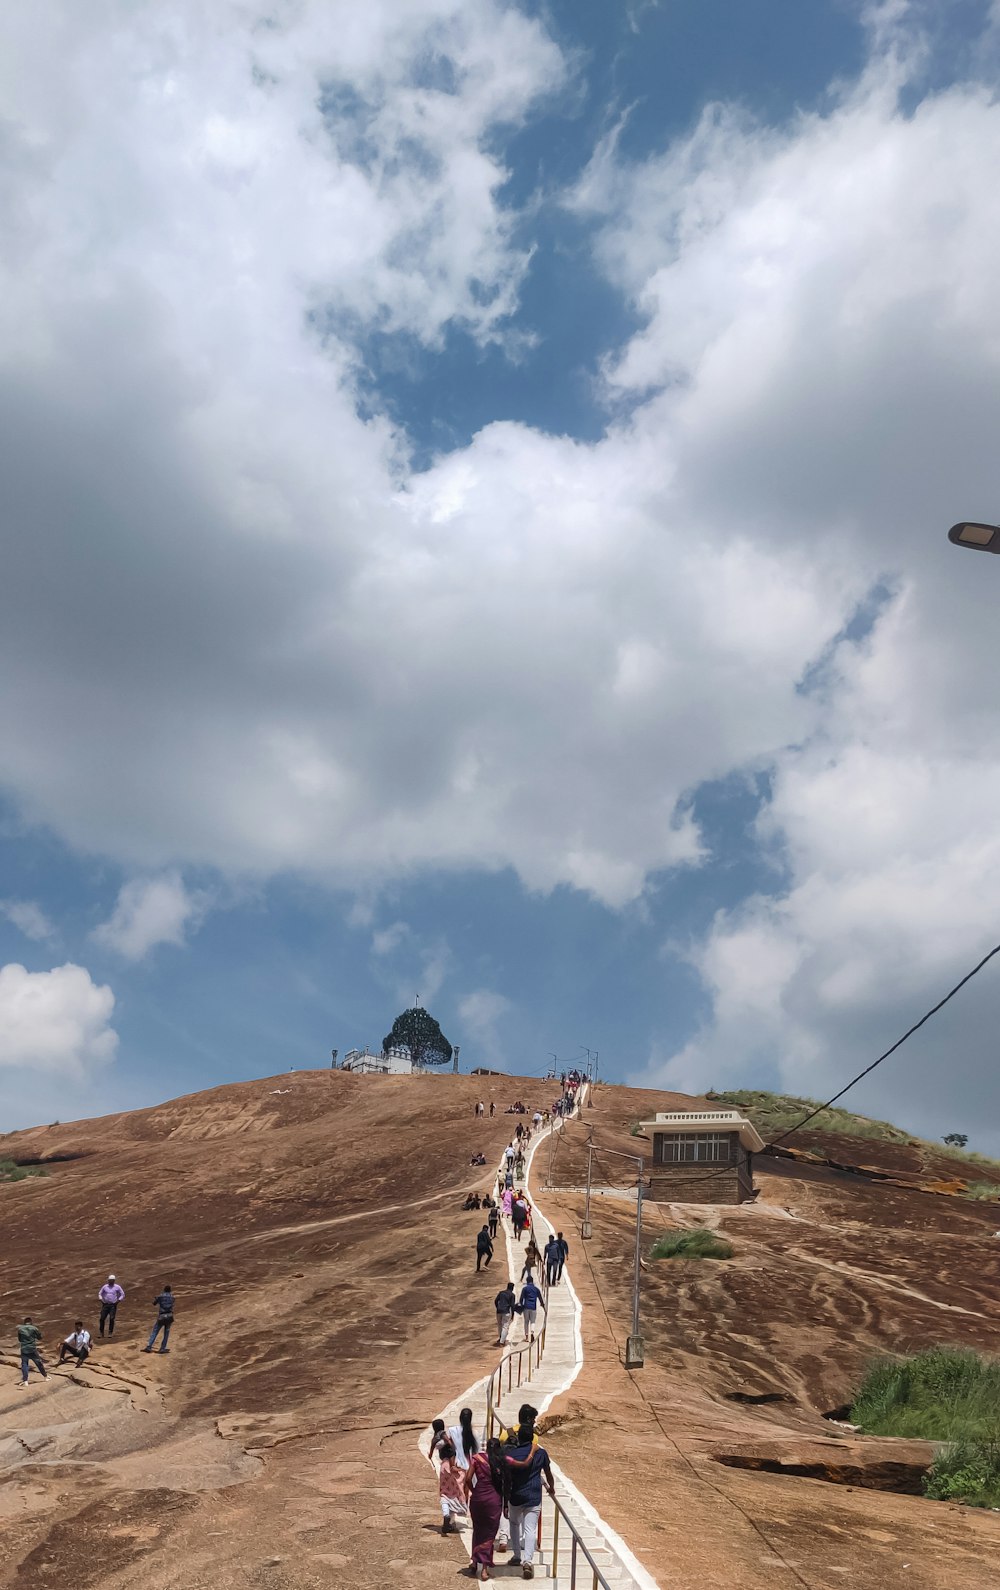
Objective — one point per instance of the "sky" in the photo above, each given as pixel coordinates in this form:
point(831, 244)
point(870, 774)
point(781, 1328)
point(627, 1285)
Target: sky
point(475, 482)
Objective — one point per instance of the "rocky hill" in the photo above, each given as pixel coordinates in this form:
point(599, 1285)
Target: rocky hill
point(328, 1307)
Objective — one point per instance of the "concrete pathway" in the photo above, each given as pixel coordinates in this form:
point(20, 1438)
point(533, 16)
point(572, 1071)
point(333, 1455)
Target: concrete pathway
point(562, 1361)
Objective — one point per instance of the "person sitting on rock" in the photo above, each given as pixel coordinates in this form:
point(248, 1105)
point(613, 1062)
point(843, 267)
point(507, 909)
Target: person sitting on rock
point(77, 1345)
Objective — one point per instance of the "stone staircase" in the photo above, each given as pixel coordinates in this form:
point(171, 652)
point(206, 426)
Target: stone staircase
point(561, 1362)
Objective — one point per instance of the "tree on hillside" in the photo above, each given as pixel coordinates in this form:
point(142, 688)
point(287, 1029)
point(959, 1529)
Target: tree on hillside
point(955, 1139)
point(418, 1033)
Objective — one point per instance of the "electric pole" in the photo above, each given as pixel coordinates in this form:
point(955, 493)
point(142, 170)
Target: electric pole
point(587, 1230)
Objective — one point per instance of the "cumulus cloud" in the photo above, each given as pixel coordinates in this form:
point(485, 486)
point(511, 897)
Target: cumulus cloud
point(151, 911)
point(520, 657)
point(56, 1023)
point(258, 640)
point(481, 1012)
point(822, 329)
point(28, 917)
point(386, 940)
point(410, 963)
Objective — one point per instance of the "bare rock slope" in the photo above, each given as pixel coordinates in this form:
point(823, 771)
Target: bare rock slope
point(328, 1305)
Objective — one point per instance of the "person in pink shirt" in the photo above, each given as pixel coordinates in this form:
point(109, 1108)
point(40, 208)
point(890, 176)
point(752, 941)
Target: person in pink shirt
point(451, 1487)
point(110, 1295)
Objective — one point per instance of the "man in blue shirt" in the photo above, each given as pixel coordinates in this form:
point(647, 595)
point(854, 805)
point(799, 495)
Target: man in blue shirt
point(527, 1304)
point(528, 1462)
point(552, 1255)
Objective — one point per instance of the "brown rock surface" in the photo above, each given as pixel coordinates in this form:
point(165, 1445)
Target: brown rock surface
point(714, 1460)
point(328, 1308)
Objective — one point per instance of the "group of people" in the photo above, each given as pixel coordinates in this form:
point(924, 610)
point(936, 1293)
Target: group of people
point(79, 1344)
point(496, 1483)
point(507, 1304)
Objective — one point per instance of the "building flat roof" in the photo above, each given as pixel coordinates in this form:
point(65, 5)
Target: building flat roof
point(706, 1121)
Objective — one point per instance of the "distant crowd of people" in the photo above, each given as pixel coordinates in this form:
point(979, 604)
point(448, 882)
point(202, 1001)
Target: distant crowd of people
point(498, 1483)
point(79, 1344)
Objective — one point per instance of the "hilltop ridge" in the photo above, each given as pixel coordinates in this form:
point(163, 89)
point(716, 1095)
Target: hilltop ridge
point(328, 1306)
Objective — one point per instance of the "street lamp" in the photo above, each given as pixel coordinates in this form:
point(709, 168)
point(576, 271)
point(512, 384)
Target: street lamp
point(979, 537)
point(634, 1349)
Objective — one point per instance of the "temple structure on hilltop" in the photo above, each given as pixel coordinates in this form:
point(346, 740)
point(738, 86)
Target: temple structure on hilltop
point(414, 1043)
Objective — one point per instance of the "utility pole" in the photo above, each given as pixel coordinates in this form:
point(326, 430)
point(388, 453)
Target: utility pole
point(634, 1349)
point(587, 1230)
point(634, 1354)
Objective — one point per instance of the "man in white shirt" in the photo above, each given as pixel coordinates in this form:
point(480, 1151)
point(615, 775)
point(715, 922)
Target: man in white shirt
point(76, 1345)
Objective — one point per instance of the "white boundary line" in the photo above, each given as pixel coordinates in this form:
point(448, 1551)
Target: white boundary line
point(642, 1577)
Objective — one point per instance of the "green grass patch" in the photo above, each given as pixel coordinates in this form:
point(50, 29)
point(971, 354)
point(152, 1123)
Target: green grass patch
point(967, 1155)
point(774, 1113)
point(10, 1170)
point(987, 1190)
point(947, 1394)
point(968, 1471)
point(697, 1244)
point(943, 1394)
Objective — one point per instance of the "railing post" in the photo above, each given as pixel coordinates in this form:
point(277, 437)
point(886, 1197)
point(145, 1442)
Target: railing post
point(555, 1540)
point(572, 1564)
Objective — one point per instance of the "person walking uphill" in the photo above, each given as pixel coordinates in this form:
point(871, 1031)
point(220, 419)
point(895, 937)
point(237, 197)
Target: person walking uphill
point(494, 1220)
point(451, 1481)
point(505, 1304)
point(28, 1337)
point(164, 1320)
point(484, 1248)
point(552, 1256)
point(527, 1306)
point(110, 1295)
point(527, 1462)
point(563, 1247)
point(485, 1483)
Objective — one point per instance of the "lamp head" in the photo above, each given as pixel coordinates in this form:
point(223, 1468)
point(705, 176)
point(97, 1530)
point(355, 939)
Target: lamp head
point(980, 537)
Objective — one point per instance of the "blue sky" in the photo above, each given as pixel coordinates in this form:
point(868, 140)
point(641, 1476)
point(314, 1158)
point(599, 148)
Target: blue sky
point(477, 482)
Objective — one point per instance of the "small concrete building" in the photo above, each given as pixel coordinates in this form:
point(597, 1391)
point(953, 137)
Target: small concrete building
point(702, 1156)
point(390, 1062)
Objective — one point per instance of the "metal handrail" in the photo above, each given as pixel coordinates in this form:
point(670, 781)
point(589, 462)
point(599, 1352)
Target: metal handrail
point(598, 1581)
point(494, 1386)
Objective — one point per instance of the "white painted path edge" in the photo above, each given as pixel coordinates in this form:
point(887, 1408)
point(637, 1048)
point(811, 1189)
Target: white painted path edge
point(557, 1372)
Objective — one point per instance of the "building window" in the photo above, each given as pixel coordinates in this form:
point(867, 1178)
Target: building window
point(697, 1148)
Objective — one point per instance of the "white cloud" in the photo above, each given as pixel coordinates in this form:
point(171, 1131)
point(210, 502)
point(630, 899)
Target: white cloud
point(413, 966)
point(521, 657)
point(257, 640)
point(55, 1023)
point(386, 940)
point(481, 1013)
point(28, 917)
point(824, 333)
point(151, 911)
